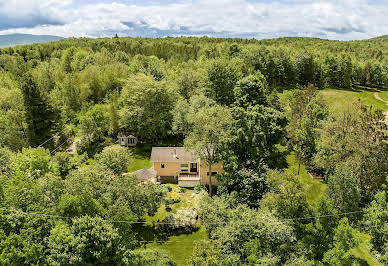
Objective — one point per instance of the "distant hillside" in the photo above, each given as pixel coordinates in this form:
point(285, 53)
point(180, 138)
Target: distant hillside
point(18, 39)
point(383, 37)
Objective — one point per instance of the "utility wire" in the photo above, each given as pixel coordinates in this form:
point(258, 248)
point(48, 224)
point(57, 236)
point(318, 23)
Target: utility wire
point(66, 141)
point(205, 223)
point(50, 138)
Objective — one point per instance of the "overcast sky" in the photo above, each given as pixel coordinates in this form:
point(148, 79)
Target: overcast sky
point(332, 19)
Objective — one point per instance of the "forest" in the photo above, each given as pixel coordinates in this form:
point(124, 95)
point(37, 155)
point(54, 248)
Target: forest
point(299, 124)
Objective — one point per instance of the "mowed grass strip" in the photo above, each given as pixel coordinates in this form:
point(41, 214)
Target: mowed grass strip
point(339, 101)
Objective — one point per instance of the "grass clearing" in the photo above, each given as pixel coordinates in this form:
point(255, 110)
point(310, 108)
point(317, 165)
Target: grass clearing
point(316, 188)
point(181, 247)
point(340, 100)
point(140, 158)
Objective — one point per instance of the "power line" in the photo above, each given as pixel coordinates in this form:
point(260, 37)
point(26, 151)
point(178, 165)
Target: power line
point(61, 145)
point(205, 223)
point(50, 138)
point(160, 223)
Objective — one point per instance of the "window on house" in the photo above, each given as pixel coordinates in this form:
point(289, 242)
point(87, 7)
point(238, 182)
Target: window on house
point(184, 167)
point(213, 173)
point(162, 165)
point(132, 140)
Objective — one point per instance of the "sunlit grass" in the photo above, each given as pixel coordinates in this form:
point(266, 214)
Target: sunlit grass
point(316, 188)
point(140, 158)
point(341, 100)
point(362, 251)
point(384, 95)
point(180, 248)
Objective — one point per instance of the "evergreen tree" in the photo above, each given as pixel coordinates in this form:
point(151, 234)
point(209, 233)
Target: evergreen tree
point(40, 116)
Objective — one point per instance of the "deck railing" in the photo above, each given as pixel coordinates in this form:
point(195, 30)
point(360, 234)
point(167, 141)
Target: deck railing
point(188, 177)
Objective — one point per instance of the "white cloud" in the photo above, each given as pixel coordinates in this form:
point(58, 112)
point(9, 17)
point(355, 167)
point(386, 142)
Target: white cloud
point(346, 19)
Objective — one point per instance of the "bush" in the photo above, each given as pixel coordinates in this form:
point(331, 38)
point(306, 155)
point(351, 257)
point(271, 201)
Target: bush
point(182, 190)
point(168, 201)
point(169, 188)
point(198, 187)
point(184, 219)
point(164, 188)
point(115, 158)
point(175, 197)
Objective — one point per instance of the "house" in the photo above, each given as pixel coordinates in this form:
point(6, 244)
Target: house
point(127, 139)
point(175, 164)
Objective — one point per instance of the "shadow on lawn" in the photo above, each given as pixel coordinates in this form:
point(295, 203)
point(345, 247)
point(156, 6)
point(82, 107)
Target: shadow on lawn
point(149, 233)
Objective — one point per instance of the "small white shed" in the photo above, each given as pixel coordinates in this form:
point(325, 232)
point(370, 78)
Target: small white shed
point(127, 139)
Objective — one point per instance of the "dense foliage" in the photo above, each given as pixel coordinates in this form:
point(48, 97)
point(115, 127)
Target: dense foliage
point(65, 198)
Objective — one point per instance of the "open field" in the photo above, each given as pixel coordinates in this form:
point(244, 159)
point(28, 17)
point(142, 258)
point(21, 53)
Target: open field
point(340, 100)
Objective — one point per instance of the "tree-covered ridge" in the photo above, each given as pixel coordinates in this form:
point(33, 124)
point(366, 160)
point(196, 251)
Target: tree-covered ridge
point(284, 61)
point(21, 39)
point(65, 197)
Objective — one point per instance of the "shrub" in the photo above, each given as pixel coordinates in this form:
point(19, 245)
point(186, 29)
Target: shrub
point(198, 187)
point(184, 219)
point(115, 158)
point(175, 197)
point(168, 201)
point(182, 190)
point(168, 208)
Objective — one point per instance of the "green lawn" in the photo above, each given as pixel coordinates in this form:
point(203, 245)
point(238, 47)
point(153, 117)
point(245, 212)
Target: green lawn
point(316, 188)
point(181, 247)
point(339, 100)
point(384, 95)
point(140, 158)
point(362, 252)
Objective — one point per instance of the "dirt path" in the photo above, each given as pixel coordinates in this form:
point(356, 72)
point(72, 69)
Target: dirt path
point(386, 102)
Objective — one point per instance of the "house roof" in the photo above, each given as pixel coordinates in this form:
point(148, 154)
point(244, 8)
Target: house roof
point(145, 174)
point(126, 135)
point(171, 154)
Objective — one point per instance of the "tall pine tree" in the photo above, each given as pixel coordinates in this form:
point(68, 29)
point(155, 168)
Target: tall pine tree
point(40, 116)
